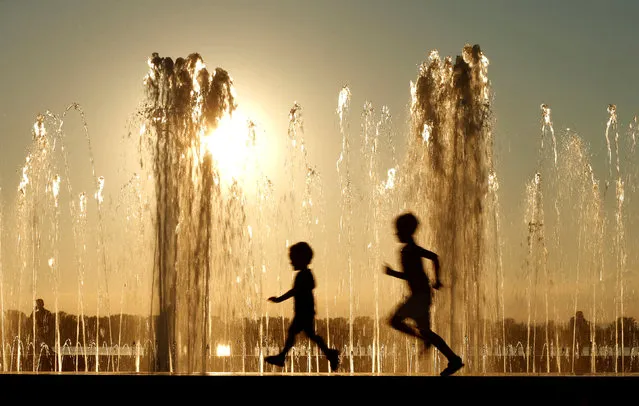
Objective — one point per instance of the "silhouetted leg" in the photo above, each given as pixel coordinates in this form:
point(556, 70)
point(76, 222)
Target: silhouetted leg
point(293, 330)
point(423, 325)
point(309, 329)
point(454, 361)
point(440, 344)
point(331, 354)
point(397, 320)
point(280, 358)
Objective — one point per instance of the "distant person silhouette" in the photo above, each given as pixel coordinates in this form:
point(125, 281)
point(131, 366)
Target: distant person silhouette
point(417, 306)
point(304, 318)
point(43, 331)
point(42, 318)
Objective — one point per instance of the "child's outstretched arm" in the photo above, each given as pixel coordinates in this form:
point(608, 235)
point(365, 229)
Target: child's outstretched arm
point(285, 296)
point(390, 271)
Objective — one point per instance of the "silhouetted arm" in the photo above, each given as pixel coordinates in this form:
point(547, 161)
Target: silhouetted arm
point(435, 259)
point(282, 298)
point(390, 271)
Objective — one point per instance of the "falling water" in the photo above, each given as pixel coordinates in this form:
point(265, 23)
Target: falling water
point(185, 103)
point(343, 170)
point(552, 278)
point(451, 125)
point(369, 150)
point(619, 243)
point(537, 257)
point(493, 185)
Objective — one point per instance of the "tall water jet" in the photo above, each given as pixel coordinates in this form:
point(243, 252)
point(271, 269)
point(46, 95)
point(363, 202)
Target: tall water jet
point(493, 185)
point(578, 193)
point(619, 242)
point(447, 173)
point(301, 220)
point(37, 233)
point(536, 261)
point(185, 103)
point(345, 222)
point(538, 250)
point(553, 174)
point(369, 150)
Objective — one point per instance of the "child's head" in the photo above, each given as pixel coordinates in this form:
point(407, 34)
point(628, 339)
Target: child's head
point(301, 255)
point(406, 225)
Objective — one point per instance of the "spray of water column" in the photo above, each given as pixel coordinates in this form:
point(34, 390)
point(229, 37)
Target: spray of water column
point(389, 207)
point(598, 260)
point(493, 184)
point(369, 150)
point(78, 215)
point(447, 172)
point(536, 262)
point(547, 127)
point(343, 170)
point(554, 174)
point(37, 229)
point(620, 252)
point(185, 102)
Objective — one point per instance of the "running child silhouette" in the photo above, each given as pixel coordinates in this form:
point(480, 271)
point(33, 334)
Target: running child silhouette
point(304, 318)
point(417, 306)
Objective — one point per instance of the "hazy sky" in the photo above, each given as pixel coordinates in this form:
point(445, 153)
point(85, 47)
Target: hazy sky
point(576, 56)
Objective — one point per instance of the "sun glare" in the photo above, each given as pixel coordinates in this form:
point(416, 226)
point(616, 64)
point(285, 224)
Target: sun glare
point(223, 350)
point(231, 146)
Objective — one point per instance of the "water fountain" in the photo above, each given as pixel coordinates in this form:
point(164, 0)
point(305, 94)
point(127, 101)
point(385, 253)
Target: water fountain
point(196, 250)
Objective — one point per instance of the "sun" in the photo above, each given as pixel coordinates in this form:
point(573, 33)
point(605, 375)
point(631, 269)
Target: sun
point(231, 146)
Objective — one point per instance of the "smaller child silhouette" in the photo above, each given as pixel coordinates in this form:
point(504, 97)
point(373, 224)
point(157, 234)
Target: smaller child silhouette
point(304, 318)
point(417, 306)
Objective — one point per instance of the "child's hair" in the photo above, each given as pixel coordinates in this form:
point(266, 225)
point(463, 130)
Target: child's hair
point(301, 251)
point(407, 223)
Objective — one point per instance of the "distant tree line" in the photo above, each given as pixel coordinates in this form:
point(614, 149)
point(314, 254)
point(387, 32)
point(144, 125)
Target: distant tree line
point(129, 330)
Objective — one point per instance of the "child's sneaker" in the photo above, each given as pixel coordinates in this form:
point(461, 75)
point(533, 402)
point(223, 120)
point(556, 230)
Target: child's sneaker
point(333, 359)
point(453, 366)
point(275, 360)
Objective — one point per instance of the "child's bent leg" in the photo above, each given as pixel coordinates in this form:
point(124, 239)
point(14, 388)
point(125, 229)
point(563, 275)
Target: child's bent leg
point(397, 320)
point(399, 324)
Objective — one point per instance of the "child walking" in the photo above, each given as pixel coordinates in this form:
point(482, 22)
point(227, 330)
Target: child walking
point(301, 255)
